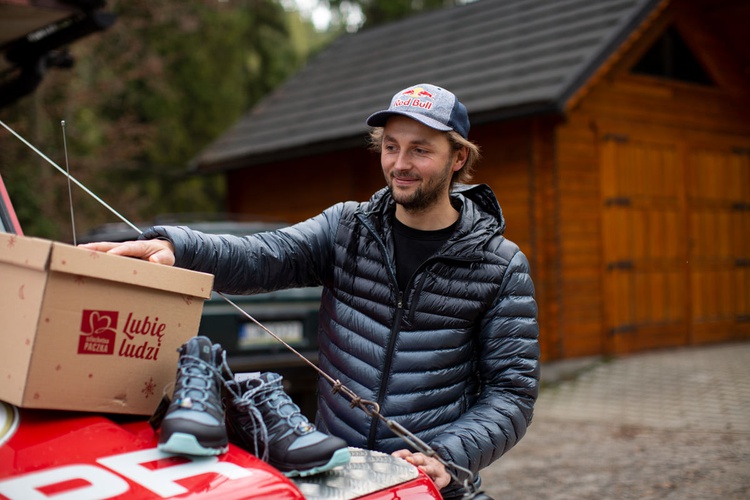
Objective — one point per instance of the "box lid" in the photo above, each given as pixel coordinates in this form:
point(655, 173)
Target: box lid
point(83, 262)
point(24, 251)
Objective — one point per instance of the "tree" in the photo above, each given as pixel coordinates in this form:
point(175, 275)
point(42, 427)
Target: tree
point(377, 12)
point(143, 99)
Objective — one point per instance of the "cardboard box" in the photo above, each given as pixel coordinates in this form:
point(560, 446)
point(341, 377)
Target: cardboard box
point(84, 330)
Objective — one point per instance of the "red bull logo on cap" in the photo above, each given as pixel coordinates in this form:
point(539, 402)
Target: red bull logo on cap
point(416, 97)
point(417, 92)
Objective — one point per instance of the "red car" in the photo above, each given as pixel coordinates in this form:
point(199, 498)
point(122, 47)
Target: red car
point(65, 455)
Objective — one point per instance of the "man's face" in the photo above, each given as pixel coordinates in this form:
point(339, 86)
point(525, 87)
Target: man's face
point(417, 162)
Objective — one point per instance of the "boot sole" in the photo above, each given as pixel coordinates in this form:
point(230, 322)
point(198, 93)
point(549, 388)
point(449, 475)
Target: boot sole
point(339, 457)
point(180, 443)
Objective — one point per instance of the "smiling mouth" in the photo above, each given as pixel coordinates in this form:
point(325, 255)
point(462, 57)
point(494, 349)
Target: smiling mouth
point(404, 184)
point(400, 179)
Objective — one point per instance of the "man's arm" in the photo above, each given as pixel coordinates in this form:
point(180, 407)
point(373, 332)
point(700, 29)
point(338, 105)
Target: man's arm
point(295, 256)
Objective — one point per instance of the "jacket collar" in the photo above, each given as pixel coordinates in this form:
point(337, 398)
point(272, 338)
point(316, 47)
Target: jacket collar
point(481, 216)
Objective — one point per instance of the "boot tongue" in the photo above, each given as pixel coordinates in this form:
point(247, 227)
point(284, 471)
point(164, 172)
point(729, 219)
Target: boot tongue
point(201, 348)
point(199, 374)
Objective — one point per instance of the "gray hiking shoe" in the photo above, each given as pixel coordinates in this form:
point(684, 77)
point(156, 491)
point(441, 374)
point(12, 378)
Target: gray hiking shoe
point(264, 420)
point(194, 423)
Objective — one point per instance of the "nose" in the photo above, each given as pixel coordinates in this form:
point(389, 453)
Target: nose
point(402, 162)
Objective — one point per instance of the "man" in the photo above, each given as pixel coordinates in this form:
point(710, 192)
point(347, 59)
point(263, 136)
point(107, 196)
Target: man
point(426, 308)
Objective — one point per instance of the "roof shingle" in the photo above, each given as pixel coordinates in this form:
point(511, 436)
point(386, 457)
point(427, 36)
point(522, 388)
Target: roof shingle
point(498, 56)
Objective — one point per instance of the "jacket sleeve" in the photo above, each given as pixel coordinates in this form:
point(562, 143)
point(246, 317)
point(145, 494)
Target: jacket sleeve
point(295, 256)
point(509, 371)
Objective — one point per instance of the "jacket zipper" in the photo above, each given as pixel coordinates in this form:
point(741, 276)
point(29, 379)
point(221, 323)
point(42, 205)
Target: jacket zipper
point(386, 369)
point(394, 331)
point(397, 320)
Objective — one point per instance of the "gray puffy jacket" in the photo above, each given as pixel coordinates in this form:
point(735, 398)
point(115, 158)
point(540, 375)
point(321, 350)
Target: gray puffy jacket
point(454, 359)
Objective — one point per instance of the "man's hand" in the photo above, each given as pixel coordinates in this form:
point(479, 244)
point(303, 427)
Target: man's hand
point(430, 466)
point(158, 251)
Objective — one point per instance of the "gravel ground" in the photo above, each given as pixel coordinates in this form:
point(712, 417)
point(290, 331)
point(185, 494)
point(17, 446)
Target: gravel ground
point(664, 425)
point(573, 460)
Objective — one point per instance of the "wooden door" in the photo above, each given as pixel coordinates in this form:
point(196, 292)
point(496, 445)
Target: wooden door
point(644, 244)
point(718, 194)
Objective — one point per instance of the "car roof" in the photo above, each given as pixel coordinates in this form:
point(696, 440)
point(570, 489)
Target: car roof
point(118, 231)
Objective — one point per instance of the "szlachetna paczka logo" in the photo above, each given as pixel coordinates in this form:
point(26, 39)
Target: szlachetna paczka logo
point(99, 330)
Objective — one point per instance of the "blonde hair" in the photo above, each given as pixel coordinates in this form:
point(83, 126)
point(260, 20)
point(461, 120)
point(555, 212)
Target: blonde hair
point(462, 176)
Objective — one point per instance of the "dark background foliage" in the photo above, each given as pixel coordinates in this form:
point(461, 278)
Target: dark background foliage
point(147, 95)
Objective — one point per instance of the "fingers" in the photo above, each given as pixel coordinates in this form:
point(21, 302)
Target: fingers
point(401, 454)
point(430, 466)
point(164, 256)
point(158, 251)
point(103, 246)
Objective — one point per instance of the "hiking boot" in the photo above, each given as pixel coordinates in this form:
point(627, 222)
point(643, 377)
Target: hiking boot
point(194, 423)
point(263, 419)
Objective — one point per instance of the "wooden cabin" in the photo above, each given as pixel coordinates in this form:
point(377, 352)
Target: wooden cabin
point(616, 135)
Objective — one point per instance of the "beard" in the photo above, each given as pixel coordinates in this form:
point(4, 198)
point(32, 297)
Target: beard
point(426, 194)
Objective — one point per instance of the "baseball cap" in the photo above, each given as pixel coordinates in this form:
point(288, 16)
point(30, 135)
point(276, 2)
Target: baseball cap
point(431, 105)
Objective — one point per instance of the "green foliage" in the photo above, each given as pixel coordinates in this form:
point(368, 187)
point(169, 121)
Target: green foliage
point(377, 12)
point(144, 98)
point(147, 95)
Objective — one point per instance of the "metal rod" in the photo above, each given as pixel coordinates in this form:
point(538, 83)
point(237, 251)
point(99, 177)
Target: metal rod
point(70, 189)
point(70, 177)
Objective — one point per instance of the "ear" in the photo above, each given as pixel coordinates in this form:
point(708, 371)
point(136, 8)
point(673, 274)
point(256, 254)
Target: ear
point(460, 159)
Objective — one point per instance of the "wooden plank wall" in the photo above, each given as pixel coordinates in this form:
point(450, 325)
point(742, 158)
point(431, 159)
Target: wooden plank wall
point(545, 236)
point(506, 155)
point(719, 255)
point(517, 164)
point(644, 243)
point(580, 255)
point(637, 108)
point(295, 190)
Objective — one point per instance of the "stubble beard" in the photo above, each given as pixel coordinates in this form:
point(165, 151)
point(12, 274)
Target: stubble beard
point(426, 195)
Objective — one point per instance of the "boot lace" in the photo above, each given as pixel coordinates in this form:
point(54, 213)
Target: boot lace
point(254, 425)
point(197, 377)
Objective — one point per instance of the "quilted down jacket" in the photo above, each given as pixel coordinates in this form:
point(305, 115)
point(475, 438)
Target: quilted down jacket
point(454, 359)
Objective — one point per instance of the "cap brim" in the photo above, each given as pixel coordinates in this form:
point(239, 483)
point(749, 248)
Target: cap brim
point(379, 119)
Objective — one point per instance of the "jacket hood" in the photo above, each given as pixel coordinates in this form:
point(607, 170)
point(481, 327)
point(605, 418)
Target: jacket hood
point(483, 196)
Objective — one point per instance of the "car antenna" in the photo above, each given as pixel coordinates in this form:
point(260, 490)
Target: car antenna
point(70, 189)
point(70, 177)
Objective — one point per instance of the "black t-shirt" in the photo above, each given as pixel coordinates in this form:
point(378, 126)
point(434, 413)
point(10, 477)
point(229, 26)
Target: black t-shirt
point(414, 247)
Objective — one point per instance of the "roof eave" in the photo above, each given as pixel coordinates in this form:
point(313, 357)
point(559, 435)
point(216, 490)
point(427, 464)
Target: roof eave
point(527, 110)
point(203, 166)
point(206, 166)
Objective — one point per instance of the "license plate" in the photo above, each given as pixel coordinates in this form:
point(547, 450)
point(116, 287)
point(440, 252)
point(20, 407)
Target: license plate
point(252, 336)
